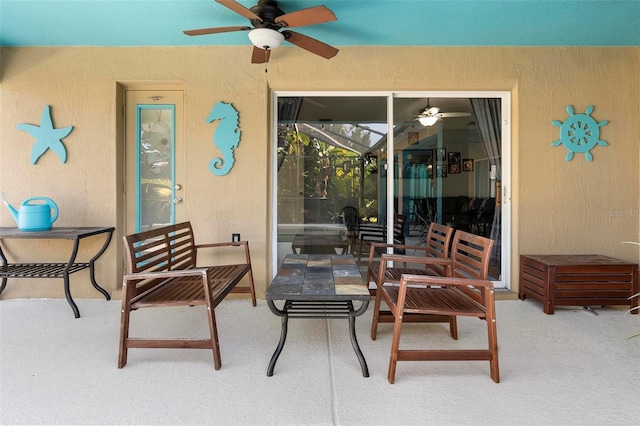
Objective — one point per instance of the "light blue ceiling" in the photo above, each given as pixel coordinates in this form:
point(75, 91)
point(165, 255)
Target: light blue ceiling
point(360, 22)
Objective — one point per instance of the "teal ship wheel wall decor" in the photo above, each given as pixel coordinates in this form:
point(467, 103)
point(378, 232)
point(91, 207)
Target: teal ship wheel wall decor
point(46, 136)
point(579, 133)
point(226, 137)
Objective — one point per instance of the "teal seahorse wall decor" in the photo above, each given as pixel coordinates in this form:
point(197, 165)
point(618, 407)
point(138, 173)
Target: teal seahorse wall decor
point(46, 136)
point(579, 133)
point(226, 137)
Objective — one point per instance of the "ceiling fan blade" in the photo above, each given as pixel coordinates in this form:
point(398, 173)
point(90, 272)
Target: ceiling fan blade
point(260, 56)
point(453, 114)
point(239, 9)
point(310, 44)
point(310, 16)
point(217, 30)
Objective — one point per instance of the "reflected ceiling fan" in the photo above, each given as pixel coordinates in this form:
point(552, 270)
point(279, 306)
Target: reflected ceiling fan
point(267, 20)
point(431, 115)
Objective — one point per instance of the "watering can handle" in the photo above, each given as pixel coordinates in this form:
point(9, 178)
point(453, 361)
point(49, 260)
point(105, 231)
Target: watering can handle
point(48, 201)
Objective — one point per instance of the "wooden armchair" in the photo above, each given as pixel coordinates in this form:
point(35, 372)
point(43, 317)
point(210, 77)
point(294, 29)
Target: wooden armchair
point(427, 295)
point(469, 260)
point(438, 240)
point(351, 220)
point(371, 234)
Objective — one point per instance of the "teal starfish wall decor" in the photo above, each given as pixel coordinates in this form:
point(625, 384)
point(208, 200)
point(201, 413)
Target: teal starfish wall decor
point(579, 133)
point(46, 136)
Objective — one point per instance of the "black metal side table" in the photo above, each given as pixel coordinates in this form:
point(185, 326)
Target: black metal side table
point(55, 270)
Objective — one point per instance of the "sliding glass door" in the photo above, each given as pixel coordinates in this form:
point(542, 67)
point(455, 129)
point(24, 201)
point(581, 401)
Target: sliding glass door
point(348, 161)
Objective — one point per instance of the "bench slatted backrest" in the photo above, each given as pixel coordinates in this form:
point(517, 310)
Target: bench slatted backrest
point(164, 249)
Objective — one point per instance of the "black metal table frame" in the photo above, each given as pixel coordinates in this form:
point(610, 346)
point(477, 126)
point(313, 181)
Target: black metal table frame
point(51, 269)
point(328, 309)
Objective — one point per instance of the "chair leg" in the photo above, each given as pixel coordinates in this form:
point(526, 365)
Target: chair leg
point(493, 347)
point(376, 316)
point(395, 344)
point(213, 330)
point(492, 333)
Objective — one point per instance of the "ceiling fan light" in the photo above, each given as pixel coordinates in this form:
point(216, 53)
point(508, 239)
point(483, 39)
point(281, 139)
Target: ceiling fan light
point(428, 121)
point(265, 38)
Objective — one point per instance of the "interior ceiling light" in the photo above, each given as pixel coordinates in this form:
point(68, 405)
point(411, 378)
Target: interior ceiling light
point(428, 121)
point(265, 38)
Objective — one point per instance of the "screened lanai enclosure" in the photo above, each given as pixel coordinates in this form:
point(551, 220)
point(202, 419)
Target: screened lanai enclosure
point(345, 173)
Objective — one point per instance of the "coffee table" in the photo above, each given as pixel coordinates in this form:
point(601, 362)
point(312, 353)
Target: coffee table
point(318, 286)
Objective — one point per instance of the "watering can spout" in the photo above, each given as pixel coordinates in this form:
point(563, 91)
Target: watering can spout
point(12, 210)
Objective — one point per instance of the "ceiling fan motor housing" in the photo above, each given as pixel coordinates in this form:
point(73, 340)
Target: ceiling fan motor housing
point(268, 11)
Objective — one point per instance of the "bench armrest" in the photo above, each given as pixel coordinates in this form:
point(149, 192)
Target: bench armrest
point(244, 244)
point(165, 274)
point(223, 244)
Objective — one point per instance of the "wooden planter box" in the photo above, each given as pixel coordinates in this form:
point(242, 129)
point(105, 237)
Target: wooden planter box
point(578, 280)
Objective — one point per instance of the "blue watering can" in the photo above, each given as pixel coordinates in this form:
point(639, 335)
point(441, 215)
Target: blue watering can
point(33, 216)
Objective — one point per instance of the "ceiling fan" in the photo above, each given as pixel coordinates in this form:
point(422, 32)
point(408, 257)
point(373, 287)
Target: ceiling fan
point(431, 115)
point(267, 20)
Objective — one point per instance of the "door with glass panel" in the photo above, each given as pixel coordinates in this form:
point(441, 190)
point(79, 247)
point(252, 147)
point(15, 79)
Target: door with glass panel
point(448, 154)
point(328, 171)
point(154, 159)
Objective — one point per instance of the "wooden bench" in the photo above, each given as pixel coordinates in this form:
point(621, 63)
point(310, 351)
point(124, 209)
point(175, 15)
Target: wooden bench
point(163, 272)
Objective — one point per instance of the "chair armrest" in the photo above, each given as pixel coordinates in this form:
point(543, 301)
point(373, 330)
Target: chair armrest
point(431, 281)
point(468, 287)
point(399, 246)
point(415, 259)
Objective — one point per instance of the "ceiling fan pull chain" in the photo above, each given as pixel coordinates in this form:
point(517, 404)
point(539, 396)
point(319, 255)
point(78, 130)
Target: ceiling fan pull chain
point(266, 60)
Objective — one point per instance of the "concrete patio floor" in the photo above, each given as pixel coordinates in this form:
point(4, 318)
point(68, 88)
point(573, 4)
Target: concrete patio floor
point(571, 368)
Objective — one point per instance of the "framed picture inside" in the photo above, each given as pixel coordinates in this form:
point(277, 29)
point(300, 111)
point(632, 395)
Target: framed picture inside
point(413, 137)
point(455, 163)
point(441, 154)
point(467, 165)
point(441, 170)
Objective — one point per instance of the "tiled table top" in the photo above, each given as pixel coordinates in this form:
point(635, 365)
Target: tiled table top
point(318, 277)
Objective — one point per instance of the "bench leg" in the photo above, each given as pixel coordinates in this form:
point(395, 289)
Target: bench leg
point(453, 327)
point(124, 335)
point(215, 347)
point(252, 288)
point(125, 314)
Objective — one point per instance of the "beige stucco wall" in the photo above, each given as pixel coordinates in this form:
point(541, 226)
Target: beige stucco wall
point(557, 206)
